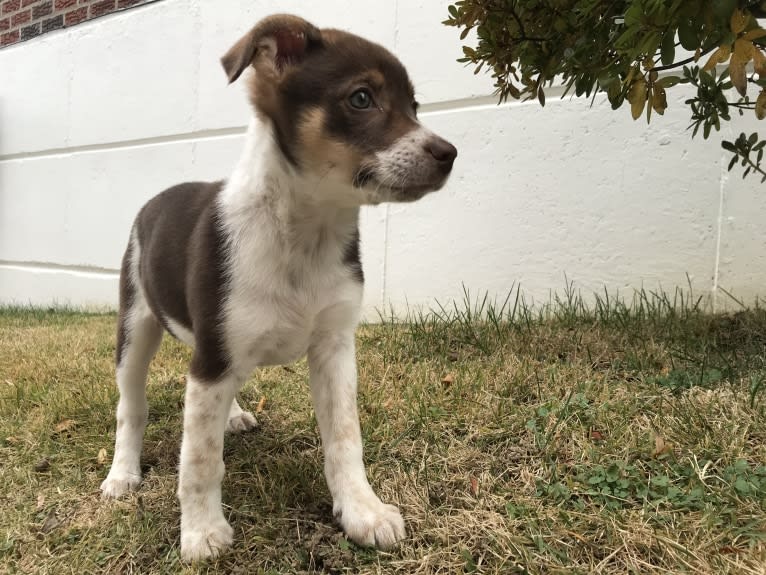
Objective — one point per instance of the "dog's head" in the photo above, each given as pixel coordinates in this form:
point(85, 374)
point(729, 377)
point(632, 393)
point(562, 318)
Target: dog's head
point(342, 108)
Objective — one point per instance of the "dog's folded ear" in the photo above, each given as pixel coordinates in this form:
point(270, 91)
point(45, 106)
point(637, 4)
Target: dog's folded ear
point(275, 42)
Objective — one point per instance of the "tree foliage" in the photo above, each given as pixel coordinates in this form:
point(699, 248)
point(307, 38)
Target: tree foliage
point(635, 51)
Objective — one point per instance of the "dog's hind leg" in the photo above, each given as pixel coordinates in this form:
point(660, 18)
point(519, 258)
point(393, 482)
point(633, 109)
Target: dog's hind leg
point(138, 337)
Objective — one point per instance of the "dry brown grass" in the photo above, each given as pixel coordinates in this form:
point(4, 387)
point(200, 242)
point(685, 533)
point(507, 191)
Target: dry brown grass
point(585, 443)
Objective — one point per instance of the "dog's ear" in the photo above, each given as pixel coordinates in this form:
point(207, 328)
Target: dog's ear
point(276, 42)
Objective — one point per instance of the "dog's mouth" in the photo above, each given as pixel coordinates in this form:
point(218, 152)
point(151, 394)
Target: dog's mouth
point(366, 178)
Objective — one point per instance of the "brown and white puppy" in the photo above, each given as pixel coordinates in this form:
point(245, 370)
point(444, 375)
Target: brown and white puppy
point(264, 268)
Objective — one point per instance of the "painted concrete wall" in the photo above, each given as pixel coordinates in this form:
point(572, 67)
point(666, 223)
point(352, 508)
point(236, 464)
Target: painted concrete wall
point(96, 119)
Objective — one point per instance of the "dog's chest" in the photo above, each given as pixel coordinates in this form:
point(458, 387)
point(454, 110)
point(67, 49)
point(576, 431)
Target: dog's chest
point(273, 315)
point(272, 330)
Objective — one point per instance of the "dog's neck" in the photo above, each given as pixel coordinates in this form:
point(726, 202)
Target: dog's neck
point(266, 191)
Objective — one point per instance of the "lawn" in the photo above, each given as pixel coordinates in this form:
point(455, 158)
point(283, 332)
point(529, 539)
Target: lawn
point(611, 438)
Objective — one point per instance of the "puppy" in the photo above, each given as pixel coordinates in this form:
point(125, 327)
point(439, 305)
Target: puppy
point(263, 268)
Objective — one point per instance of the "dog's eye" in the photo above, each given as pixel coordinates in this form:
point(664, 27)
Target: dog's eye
point(361, 99)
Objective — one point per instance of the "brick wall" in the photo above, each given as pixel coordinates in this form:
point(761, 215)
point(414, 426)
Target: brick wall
point(24, 19)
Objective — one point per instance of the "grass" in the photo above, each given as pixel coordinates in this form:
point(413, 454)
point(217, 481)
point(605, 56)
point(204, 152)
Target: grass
point(614, 437)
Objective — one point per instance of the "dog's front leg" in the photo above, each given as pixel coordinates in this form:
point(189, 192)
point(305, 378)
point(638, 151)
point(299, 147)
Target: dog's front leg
point(364, 518)
point(204, 530)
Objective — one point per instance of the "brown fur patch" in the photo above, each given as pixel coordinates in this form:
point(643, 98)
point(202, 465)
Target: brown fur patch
point(320, 152)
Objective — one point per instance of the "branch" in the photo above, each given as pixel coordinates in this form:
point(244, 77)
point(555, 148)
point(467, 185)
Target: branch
point(683, 62)
point(755, 167)
point(524, 36)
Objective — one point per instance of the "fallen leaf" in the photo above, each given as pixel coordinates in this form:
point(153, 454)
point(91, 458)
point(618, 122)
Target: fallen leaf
point(40, 500)
point(596, 435)
point(448, 379)
point(42, 465)
point(64, 425)
point(51, 522)
point(261, 403)
point(474, 486)
point(661, 447)
point(101, 457)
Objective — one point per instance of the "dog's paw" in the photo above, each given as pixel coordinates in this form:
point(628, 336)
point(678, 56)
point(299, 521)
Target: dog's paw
point(243, 421)
point(118, 484)
point(206, 541)
point(372, 523)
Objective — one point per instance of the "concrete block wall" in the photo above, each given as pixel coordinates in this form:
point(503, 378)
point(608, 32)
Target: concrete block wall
point(96, 119)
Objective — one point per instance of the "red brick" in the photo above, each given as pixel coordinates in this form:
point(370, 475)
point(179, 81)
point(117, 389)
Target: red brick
point(20, 18)
point(127, 3)
point(25, 3)
point(5, 24)
point(64, 4)
point(75, 16)
point(10, 6)
point(102, 7)
point(9, 37)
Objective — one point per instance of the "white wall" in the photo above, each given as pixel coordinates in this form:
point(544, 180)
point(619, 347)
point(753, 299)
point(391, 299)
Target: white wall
point(96, 119)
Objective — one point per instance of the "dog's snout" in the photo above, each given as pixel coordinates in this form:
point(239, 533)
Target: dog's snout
point(442, 151)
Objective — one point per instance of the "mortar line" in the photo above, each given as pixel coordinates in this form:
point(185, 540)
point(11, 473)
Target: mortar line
point(458, 105)
point(54, 267)
point(717, 270)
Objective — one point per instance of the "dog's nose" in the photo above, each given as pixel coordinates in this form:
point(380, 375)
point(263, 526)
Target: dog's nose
point(443, 152)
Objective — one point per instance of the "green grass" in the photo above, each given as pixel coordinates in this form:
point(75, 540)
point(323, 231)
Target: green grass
point(613, 437)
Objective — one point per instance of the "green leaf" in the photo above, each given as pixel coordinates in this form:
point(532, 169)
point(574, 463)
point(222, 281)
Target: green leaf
point(660, 480)
point(687, 34)
point(470, 564)
point(742, 486)
point(343, 543)
point(668, 81)
point(668, 50)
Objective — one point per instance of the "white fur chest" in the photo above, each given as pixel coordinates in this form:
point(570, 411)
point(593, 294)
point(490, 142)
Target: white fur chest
point(271, 319)
point(288, 281)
